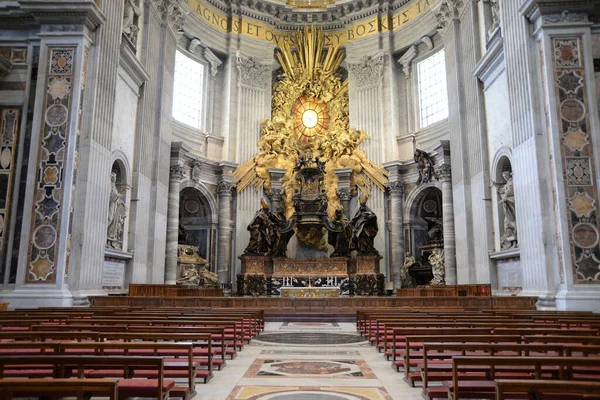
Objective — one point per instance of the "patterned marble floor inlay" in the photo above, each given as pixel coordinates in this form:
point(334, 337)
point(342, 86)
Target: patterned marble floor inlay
point(310, 338)
point(307, 393)
point(311, 324)
point(326, 361)
point(321, 353)
point(310, 369)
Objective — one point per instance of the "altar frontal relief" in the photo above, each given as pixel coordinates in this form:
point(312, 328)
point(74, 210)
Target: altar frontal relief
point(310, 119)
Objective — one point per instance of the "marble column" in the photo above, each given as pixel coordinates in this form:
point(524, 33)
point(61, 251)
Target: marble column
point(276, 188)
point(396, 192)
point(175, 176)
point(444, 173)
point(344, 190)
point(224, 189)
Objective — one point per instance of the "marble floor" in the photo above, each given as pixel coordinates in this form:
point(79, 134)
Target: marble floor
point(308, 361)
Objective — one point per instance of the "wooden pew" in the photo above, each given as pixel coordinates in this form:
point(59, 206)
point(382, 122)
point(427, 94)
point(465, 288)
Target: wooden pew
point(63, 365)
point(82, 389)
point(414, 345)
point(434, 370)
point(535, 389)
point(486, 389)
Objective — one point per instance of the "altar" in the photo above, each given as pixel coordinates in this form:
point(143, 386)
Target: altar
point(310, 292)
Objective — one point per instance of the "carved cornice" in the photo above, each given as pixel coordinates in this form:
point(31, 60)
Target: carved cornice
point(395, 188)
point(224, 188)
point(173, 12)
point(213, 60)
point(406, 60)
point(64, 13)
point(251, 72)
point(368, 72)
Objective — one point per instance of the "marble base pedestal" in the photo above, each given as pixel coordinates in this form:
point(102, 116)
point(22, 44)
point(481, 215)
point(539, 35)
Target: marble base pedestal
point(364, 270)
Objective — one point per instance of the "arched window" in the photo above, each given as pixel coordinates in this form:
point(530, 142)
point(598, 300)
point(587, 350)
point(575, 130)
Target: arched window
point(188, 89)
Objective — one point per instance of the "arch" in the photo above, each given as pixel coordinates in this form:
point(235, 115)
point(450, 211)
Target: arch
point(201, 187)
point(415, 196)
point(120, 159)
point(503, 155)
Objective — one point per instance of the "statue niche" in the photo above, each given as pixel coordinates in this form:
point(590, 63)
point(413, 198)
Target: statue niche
point(117, 212)
point(506, 193)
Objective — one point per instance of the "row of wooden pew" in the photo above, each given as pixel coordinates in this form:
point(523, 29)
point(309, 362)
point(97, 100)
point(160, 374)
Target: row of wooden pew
point(490, 354)
point(118, 352)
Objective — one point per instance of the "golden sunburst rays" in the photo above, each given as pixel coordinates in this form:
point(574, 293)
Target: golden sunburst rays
point(309, 58)
point(310, 118)
point(310, 114)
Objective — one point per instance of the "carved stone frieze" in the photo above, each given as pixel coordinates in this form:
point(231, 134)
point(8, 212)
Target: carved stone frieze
point(368, 72)
point(173, 12)
point(224, 188)
point(251, 72)
point(395, 188)
point(564, 17)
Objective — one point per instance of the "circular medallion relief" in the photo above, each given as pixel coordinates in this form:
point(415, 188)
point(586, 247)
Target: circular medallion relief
point(44, 236)
point(56, 115)
point(191, 206)
point(572, 110)
point(585, 235)
point(430, 206)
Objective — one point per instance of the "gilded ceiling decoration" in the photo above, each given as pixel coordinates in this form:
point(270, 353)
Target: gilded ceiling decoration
point(310, 116)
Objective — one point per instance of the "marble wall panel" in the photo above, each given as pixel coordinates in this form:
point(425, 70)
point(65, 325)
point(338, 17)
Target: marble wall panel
point(50, 183)
point(577, 158)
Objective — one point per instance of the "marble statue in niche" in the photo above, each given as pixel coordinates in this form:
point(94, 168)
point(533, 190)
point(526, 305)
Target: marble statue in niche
point(364, 230)
point(436, 260)
point(506, 192)
point(117, 212)
point(131, 15)
point(424, 166)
